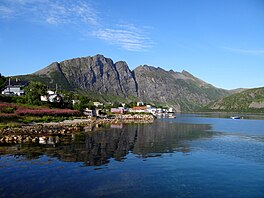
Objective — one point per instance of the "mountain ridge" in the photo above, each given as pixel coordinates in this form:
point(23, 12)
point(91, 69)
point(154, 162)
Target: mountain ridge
point(100, 75)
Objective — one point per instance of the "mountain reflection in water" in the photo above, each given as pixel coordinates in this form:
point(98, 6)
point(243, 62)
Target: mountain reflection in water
point(96, 148)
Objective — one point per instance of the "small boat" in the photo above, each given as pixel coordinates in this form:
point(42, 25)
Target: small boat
point(235, 117)
point(171, 115)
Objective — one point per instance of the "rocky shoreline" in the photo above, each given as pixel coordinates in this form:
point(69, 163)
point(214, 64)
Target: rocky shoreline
point(37, 132)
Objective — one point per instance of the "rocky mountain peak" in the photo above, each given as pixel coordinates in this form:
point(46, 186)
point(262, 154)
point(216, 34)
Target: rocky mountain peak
point(100, 75)
point(53, 67)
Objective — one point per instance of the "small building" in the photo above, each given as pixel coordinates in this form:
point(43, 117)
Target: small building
point(52, 96)
point(170, 109)
point(140, 103)
point(56, 98)
point(97, 104)
point(152, 110)
point(89, 112)
point(74, 102)
point(139, 109)
point(15, 87)
point(119, 110)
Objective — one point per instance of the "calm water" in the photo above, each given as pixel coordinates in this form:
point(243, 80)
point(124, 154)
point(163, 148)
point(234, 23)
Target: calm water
point(190, 156)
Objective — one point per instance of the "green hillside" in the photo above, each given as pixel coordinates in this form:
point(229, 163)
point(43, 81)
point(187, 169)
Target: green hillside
point(251, 100)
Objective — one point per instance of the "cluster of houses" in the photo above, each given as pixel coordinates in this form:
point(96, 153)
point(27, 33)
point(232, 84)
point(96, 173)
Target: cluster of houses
point(142, 108)
point(16, 88)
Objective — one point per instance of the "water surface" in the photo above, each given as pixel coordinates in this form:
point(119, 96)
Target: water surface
point(190, 156)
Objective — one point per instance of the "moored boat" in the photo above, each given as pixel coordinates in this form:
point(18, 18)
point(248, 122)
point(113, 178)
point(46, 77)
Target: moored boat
point(235, 117)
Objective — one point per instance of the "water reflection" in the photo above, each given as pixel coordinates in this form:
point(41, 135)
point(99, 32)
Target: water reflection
point(95, 148)
point(164, 137)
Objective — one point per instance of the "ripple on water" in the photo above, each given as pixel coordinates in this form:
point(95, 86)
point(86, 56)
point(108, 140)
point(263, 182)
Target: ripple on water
point(249, 148)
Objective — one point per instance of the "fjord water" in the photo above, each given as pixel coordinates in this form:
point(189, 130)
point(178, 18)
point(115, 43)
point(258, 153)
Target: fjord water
point(190, 156)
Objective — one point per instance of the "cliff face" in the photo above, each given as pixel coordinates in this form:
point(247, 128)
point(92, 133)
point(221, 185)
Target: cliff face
point(180, 89)
point(98, 74)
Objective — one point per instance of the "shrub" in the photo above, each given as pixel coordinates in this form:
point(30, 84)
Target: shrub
point(47, 112)
point(5, 117)
point(7, 108)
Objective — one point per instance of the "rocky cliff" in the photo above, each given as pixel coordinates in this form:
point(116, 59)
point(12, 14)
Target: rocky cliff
point(97, 74)
point(181, 90)
point(101, 75)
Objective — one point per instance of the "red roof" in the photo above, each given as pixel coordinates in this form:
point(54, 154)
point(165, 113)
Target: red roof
point(140, 108)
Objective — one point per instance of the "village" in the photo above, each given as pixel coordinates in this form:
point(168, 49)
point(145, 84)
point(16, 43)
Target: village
point(141, 108)
point(97, 109)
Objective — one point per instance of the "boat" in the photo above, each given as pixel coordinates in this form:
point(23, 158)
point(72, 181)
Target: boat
point(235, 117)
point(171, 115)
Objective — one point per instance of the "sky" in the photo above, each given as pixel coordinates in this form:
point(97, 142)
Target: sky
point(218, 41)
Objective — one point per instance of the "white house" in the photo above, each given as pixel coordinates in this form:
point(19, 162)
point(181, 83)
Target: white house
point(52, 96)
point(89, 112)
point(140, 103)
point(152, 110)
point(98, 104)
point(15, 87)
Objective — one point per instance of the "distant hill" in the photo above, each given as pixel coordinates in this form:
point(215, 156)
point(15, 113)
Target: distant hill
point(101, 77)
point(251, 100)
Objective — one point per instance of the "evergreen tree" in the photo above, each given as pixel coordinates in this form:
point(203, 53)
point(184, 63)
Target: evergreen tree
point(2, 82)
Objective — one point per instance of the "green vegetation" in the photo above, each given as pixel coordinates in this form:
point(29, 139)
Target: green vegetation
point(2, 82)
point(60, 79)
point(57, 78)
point(11, 113)
point(33, 92)
point(37, 119)
point(185, 93)
point(251, 100)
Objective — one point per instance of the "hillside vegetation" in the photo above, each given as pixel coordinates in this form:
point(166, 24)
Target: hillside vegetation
point(251, 100)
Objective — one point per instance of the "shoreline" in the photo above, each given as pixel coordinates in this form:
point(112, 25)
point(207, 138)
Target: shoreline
point(35, 131)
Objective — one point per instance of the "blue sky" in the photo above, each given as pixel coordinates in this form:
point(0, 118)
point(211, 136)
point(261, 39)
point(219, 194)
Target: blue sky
point(221, 42)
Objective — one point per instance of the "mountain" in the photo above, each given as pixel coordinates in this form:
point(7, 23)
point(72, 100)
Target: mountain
point(250, 100)
point(98, 75)
point(181, 90)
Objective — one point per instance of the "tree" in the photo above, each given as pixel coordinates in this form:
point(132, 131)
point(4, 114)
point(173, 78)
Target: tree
point(2, 82)
point(131, 104)
point(33, 92)
point(85, 102)
point(116, 104)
